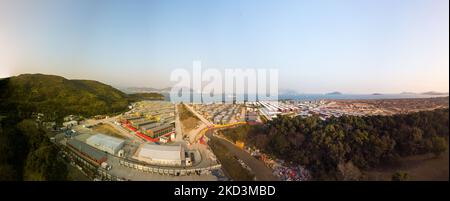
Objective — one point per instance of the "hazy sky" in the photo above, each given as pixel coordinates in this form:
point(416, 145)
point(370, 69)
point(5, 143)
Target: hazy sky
point(360, 46)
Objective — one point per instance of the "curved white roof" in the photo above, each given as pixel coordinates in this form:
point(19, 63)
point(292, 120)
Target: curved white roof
point(105, 141)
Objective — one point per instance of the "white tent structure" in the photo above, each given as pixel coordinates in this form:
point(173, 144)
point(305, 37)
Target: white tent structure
point(106, 143)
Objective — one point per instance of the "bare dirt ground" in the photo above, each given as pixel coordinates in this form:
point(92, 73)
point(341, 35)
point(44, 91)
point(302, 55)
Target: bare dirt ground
point(424, 167)
point(388, 106)
point(108, 130)
point(188, 120)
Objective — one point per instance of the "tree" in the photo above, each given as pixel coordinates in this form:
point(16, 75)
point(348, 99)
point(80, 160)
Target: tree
point(439, 145)
point(43, 165)
point(8, 173)
point(27, 154)
point(400, 176)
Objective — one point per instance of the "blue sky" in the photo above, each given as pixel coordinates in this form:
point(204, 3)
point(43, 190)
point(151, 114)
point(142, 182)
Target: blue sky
point(352, 46)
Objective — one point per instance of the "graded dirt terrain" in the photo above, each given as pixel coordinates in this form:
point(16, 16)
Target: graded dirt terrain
point(108, 130)
point(425, 167)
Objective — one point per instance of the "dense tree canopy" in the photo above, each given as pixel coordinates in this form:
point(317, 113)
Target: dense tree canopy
point(400, 176)
point(56, 97)
point(145, 96)
point(27, 154)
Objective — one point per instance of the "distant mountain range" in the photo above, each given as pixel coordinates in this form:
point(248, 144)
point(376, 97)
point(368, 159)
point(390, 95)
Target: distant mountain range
point(145, 90)
point(430, 93)
point(434, 93)
point(334, 93)
point(287, 92)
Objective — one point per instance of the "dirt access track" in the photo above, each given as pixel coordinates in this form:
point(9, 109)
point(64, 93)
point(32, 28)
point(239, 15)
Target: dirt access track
point(261, 171)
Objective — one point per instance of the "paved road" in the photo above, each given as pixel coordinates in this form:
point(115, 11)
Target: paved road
point(178, 131)
point(261, 171)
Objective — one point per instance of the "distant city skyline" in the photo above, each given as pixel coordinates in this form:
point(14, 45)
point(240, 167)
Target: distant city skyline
point(350, 46)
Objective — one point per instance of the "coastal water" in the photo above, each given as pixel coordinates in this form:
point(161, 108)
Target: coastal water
point(304, 97)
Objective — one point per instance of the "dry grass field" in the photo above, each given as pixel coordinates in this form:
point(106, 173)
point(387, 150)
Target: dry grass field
point(188, 120)
point(108, 130)
point(425, 167)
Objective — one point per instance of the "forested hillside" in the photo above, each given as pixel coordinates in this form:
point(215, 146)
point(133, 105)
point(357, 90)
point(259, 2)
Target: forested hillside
point(26, 151)
point(57, 97)
point(366, 142)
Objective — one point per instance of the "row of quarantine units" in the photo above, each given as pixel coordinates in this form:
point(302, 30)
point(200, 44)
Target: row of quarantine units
point(84, 163)
point(90, 159)
point(150, 129)
point(87, 152)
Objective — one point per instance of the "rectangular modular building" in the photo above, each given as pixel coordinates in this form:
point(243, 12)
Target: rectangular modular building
point(166, 155)
point(141, 122)
point(160, 130)
point(149, 126)
point(87, 151)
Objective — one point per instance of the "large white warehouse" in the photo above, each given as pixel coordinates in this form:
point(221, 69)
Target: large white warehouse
point(106, 143)
point(161, 154)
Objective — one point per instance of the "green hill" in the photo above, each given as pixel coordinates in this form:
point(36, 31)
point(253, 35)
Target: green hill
point(145, 96)
point(27, 153)
point(56, 96)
